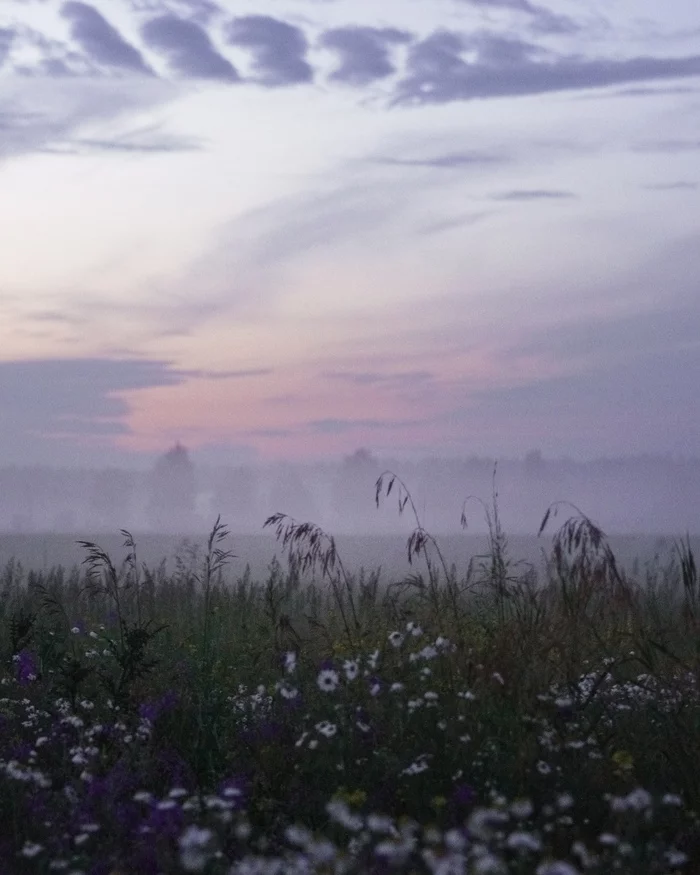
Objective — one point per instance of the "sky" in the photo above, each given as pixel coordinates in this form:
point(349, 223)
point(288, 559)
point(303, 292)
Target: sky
point(288, 229)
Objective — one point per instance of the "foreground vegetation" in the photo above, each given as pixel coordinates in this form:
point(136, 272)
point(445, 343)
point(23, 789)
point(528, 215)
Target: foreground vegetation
point(488, 720)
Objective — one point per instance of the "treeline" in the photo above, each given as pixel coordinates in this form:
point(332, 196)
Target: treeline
point(640, 494)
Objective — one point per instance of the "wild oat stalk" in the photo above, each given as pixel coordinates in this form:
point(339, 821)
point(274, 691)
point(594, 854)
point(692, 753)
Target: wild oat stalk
point(419, 541)
point(498, 570)
point(215, 560)
point(308, 548)
point(587, 574)
point(130, 651)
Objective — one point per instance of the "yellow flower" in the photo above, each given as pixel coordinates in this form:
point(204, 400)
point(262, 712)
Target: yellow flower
point(438, 802)
point(354, 798)
point(624, 761)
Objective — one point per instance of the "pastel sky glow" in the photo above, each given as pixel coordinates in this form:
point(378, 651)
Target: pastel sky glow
point(291, 228)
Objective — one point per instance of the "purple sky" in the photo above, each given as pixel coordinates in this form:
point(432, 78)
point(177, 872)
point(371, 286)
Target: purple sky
point(297, 227)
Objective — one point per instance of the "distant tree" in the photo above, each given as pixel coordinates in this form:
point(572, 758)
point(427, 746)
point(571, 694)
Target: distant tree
point(353, 492)
point(235, 497)
point(291, 495)
point(534, 462)
point(110, 499)
point(173, 491)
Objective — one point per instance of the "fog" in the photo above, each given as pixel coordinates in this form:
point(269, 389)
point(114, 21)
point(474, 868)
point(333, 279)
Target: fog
point(634, 496)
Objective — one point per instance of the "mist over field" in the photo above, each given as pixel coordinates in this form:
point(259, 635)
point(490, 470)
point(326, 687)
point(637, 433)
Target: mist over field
point(645, 502)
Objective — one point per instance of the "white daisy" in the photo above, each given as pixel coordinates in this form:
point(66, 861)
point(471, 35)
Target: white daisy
point(327, 680)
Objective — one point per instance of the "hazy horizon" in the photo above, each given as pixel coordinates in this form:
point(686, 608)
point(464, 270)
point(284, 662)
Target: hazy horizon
point(283, 231)
point(181, 494)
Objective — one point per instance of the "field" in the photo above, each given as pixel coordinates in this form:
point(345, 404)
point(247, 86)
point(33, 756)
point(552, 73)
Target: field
point(486, 716)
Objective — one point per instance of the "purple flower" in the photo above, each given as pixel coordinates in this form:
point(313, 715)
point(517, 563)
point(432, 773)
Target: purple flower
point(27, 667)
point(463, 795)
point(234, 790)
point(152, 710)
point(166, 821)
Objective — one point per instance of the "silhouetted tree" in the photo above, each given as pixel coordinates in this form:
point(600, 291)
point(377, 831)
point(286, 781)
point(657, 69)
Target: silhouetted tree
point(172, 502)
point(353, 492)
point(111, 497)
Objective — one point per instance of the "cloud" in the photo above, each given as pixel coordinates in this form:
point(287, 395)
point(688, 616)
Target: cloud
point(291, 227)
point(543, 19)
point(448, 161)
point(373, 378)
point(53, 406)
point(343, 426)
point(669, 146)
point(679, 185)
point(188, 48)
point(60, 108)
point(506, 67)
point(102, 42)
point(364, 52)
point(199, 11)
point(535, 194)
point(442, 225)
point(6, 39)
point(227, 375)
point(145, 141)
point(279, 49)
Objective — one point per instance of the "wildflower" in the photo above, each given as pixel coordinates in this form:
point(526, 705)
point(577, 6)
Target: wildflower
point(543, 768)
point(290, 661)
point(31, 849)
point(351, 668)
point(463, 795)
point(380, 823)
point(483, 822)
point(671, 799)
point(27, 667)
point(327, 680)
point(195, 848)
point(395, 639)
point(521, 809)
point(455, 840)
point(288, 692)
point(556, 867)
point(298, 835)
point(420, 765)
point(339, 811)
point(326, 728)
point(489, 864)
point(498, 677)
point(523, 841)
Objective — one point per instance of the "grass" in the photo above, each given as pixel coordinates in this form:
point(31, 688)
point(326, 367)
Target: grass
point(489, 720)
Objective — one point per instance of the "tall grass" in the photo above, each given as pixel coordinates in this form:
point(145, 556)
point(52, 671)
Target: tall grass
point(497, 719)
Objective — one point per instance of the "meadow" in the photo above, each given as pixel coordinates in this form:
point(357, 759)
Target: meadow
point(491, 717)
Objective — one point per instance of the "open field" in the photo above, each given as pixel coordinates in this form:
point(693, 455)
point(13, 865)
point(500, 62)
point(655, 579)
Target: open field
point(182, 718)
point(39, 552)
